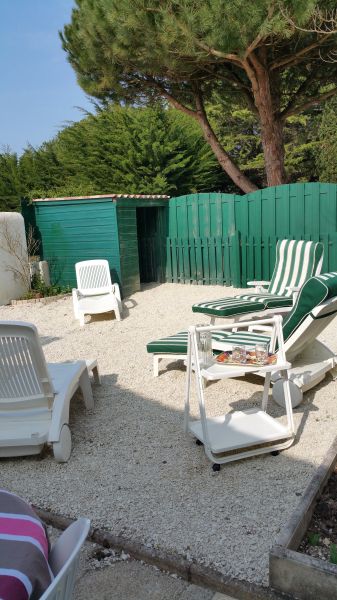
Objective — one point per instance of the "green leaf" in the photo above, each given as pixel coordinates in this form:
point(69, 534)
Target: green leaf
point(313, 538)
point(333, 554)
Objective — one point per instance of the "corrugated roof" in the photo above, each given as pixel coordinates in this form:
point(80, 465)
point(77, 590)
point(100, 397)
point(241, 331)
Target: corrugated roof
point(143, 196)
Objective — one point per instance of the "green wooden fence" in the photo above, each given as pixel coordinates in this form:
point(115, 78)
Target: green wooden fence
point(228, 240)
point(214, 238)
point(206, 260)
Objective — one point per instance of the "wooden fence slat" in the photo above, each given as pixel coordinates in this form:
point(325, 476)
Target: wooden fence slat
point(181, 272)
point(244, 247)
point(187, 264)
point(169, 275)
point(175, 260)
point(193, 264)
point(198, 256)
point(235, 262)
point(205, 261)
point(212, 260)
point(220, 275)
point(226, 259)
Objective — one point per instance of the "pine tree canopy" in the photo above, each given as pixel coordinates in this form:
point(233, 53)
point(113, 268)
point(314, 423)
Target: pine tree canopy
point(276, 58)
point(136, 50)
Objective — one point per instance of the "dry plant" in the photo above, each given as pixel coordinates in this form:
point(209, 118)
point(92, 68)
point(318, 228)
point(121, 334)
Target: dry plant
point(11, 243)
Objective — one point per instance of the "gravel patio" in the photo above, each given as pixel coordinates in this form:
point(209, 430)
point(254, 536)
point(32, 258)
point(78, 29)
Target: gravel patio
point(135, 472)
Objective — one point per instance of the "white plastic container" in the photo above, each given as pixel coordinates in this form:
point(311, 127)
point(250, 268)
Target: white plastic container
point(13, 256)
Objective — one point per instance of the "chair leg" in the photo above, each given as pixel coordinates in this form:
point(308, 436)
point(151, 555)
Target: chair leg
point(96, 375)
point(86, 390)
point(156, 366)
point(81, 318)
point(117, 313)
point(75, 303)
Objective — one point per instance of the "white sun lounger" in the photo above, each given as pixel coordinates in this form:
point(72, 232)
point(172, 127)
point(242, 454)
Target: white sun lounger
point(315, 308)
point(95, 294)
point(35, 396)
point(296, 262)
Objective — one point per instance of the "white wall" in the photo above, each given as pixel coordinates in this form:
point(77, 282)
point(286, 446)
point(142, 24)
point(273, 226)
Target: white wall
point(11, 226)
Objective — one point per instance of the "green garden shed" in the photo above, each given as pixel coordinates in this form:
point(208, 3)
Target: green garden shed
point(128, 230)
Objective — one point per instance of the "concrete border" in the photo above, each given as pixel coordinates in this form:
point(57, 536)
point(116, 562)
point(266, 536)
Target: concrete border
point(190, 571)
point(295, 573)
point(43, 300)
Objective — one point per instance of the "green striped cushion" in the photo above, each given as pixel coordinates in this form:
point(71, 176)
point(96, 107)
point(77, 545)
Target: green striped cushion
point(177, 344)
point(268, 300)
point(247, 338)
point(296, 261)
point(227, 307)
point(314, 292)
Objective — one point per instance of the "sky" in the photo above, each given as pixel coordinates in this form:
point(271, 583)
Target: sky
point(39, 94)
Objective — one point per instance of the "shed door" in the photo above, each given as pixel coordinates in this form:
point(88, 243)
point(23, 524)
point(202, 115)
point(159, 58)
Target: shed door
point(151, 244)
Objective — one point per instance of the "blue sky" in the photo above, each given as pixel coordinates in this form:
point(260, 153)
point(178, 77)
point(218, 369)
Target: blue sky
point(38, 90)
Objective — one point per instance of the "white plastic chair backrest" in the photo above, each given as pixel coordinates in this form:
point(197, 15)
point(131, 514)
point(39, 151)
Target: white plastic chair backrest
point(93, 277)
point(63, 560)
point(24, 377)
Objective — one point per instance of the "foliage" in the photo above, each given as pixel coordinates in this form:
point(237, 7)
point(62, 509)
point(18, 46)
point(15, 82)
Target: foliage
point(313, 538)
point(333, 554)
point(262, 53)
point(122, 150)
point(239, 132)
point(327, 148)
point(40, 290)
point(9, 181)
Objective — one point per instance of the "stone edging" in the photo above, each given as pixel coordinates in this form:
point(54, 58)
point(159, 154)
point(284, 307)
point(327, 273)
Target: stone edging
point(45, 300)
point(296, 573)
point(195, 573)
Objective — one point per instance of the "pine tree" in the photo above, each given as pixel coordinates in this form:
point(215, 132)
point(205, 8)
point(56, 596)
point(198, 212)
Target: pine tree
point(276, 57)
point(123, 150)
point(327, 149)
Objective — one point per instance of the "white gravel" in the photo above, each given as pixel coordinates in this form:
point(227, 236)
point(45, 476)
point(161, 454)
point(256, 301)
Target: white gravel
point(134, 471)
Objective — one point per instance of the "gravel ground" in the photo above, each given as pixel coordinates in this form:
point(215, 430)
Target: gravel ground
point(135, 472)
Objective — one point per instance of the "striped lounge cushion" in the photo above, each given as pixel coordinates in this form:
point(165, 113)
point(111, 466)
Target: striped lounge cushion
point(247, 338)
point(315, 291)
point(177, 344)
point(227, 307)
point(24, 569)
point(268, 300)
point(296, 261)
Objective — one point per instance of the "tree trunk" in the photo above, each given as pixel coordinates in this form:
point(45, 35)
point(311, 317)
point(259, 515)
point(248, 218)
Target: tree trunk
point(224, 159)
point(266, 99)
point(273, 150)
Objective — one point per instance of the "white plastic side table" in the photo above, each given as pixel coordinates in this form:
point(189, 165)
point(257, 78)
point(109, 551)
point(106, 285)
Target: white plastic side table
point(241, 433)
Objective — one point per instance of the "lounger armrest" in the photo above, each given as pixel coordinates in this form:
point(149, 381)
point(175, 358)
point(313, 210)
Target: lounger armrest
point(294, 290)
point(76, 296)
point(258, 283)
point(116, 291)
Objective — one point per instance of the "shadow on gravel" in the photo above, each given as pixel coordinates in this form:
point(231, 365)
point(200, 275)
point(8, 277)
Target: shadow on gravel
point(135, 473)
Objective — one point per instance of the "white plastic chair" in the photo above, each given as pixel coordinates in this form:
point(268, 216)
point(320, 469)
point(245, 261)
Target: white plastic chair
point(95, 294)
point(64, 559)
point(35, 396)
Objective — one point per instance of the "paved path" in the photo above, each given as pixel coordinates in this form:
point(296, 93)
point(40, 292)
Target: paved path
point(132, 580)
point(110, 575)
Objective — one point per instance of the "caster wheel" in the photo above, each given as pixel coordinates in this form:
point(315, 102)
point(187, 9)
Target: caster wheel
point(199, 443)
point(62, 448)
point(275, 453)
point(216, 467)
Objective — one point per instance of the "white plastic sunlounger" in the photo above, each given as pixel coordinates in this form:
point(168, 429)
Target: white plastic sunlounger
point(35, 396)
point(95, 294)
